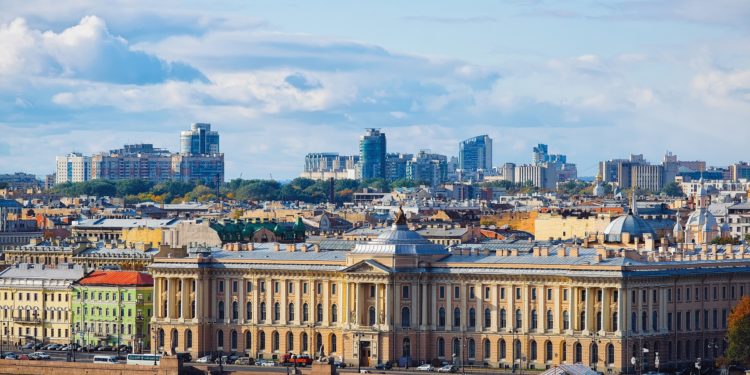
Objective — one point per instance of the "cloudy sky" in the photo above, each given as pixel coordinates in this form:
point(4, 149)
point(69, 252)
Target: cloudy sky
point(279, 79)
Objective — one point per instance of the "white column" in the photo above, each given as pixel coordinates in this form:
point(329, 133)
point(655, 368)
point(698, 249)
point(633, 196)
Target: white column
point(605, 311)
point(358, 302)
point(510, 315)
point(269, 304)
point(347, 308)
point(198, 299)
point(284, 304)
point(479, 316)
point(326, 303)
point(433, 302)
point(256, 295)
point(227, 299)
point(388, 300)
point(494, 308)
point(573, 313)
point(241, 298)
point(556, 311)
point(313, 306)
point(663, 310)
point(377, 303)
point(170, 299)
point(541, 312)
point(464, 306)
point(588, 311)
point(621, 312)
point(526, 309)
point(340, 304)
point(448, 308)
point(414, 305)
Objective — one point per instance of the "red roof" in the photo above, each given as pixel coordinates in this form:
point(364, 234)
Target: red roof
point(131, 278)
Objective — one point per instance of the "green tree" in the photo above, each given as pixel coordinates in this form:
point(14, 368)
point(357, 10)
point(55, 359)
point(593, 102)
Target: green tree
point(672, 189)
point(738, 332)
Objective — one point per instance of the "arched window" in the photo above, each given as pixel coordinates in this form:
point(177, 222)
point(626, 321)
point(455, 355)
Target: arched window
point(263, 315)
point(519, 321)
point(534, 322)
point(275, 341)
point(262, 341)
point(248, 340)
point(457, 317)
point(610, 354)
point(502, 350)
point(305, 313)
point(249, 310)
point(320, 313)
point(516, 349)
point(634, 322)
point(441, 347)
point(486, 349)
point(548, 350)
point(598, 321)
point(334, 344)
point(582, 321)
point(371, 315)
point(305, 342)
point(654, 321)
point(334, 313)
point(472, 349)
point(532, 350)
point(615, 322)
point(503, 318)
point(487, 318)
point(441, 317)
point(644, 321)
point(456, 348)
point(594, 353)
point(550, 320)
point(233, 340)
point(192, 309)
point(289, 342)
point(291, 312)
point(566, 320)
point(563, 351)
point(161, 337)
point(472, 318)
point(405, 317)
point(221, 309)
point(318, 342)
point(276, 311)
point(406, 348)
point(220, 338)
point(578, 353)
point(235, 310)
point(188, 339)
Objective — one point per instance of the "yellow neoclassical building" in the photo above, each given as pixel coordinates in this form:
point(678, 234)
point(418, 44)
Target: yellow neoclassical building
point(35, 302)
point(401, 298)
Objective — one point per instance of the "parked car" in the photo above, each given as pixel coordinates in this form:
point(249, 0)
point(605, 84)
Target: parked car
point(28, 346)
point(10, 355)
point(426, 367)
point(37, 346)
point(185, 357)
point(339, 364)
point(384, 366)
point(39, 356)
point(268, 363)
point(24, 357)
point(204, 359)
point(448, 368)
point(231, 359)
point(104, 348)
point(244, 361)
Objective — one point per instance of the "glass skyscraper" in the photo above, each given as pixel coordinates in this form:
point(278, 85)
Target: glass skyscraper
point(372, 154)
point(475, 154)
point(199, 140)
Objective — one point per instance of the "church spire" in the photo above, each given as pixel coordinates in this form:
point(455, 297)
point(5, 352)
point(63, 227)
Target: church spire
point(400, 216)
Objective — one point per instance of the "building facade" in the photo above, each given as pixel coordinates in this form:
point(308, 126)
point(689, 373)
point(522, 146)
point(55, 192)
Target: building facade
point(372, 149)
point(401, 298)
point(35, 301)
point(199, 140)
point(112, 308)
point(475, 154)
point(74, 167)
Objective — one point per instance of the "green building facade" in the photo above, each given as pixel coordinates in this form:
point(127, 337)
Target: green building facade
point(113, 308)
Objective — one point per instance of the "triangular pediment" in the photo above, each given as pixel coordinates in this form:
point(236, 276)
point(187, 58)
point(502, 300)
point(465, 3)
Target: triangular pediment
point(367, 266)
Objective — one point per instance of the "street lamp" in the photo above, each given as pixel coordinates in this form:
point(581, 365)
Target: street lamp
point(359, 335)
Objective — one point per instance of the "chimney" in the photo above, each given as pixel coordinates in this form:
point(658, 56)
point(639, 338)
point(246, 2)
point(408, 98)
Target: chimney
point(544, 251)
point(601, 252)
point(290, 247)
point(316, 248)
point(304, 247)
point(514, 252)
point(535, 251)
point(574, 251)
point(276, 246)
point(561, 252)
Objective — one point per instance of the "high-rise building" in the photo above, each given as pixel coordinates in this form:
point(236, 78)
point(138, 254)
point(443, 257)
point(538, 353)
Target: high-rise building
point(320, 161)
point(395, 165)
point(739, 171)
point(199, 140)
point(74, 167)
point(372, 149)
point(475, 154)
point(138, 161)
point(541, 155)
point(428, 167)
point(647, 177)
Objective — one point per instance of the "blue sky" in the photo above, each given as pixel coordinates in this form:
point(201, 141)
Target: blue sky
point(278, 79)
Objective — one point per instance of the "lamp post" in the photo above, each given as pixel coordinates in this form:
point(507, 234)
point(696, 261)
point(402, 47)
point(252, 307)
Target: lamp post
point(359, 335)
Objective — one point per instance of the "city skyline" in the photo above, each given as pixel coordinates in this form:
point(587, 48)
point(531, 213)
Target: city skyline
point(445, 73)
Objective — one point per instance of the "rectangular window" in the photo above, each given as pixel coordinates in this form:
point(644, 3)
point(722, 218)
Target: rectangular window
point(679, 321)
point(549, 294)
point(669, 295)
point(333, 288)
point(518, 293)
point(742, 290)
point(441, 292)
point(724, 318)
point(304, 288)
point(644, 296)
point(669, 321)
point(687, 320)
point(687, 294)
point(405, 292)
point(487, 293)
point(372, 291)
point(533, 294)
point(221, 286)
point(235, 286)
point(290, 288)
point(456, 292)
point(319, 288)
point(654, 296)
point(262, 286)
point(723, 292)
point(502, 293)
point(471, 293)
point(276, 287)
point(565, 294)
point(249, 286)
point(679, 294)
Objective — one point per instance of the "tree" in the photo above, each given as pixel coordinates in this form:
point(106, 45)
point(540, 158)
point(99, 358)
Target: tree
point(672, 189)
point(738, 332)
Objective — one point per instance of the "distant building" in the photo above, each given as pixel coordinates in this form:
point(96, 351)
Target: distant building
point(139, 161)
point(199, 140)
point(739, 171)
point(541, 155)
point(372, 149)
point(428, 167)
point(74, 167)
point(475, 154)
point(395, 165)
point(648, 177)
point(20, 180)
point(325, 165)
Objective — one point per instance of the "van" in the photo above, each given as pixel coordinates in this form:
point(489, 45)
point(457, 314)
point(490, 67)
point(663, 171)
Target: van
point(105, 359)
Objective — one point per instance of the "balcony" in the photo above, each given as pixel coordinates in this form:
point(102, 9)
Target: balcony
point(27, 320)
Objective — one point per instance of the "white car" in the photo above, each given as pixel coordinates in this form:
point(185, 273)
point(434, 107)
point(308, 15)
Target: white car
point(426, 367)
point(204, 359)
point(40, 355)
point(268, 363)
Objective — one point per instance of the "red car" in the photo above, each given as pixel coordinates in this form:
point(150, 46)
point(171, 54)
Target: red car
point(301, 360)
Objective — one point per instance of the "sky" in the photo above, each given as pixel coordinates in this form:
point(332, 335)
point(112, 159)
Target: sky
point(278, 79)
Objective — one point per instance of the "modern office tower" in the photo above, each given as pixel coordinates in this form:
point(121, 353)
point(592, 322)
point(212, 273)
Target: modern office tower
point(199, 140)
point(74, 167)
point(647, 177)
point(428, 167)
point(475, 154)
point(541, 155)
point(739, 170)
point(372, 147)
point(395, 165)
point(321, 161)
